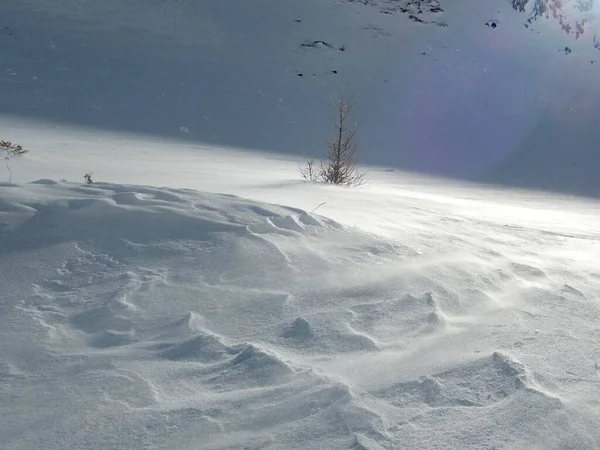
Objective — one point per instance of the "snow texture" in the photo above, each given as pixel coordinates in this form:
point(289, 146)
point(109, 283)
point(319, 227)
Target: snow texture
point(199, 295)
point(423, 314)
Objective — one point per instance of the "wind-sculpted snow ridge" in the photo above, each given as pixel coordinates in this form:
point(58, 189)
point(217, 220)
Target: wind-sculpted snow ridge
point(141, 317)
point(484, 392)
point(150, 310)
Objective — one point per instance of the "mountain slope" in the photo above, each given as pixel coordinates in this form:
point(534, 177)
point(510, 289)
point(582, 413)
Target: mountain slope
point(572, 170)
point(453, 100)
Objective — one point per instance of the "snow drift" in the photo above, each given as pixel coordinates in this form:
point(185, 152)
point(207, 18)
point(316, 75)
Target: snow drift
point(138, 317)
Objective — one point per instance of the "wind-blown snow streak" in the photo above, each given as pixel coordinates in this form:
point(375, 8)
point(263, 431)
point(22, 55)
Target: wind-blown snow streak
point(138, 317)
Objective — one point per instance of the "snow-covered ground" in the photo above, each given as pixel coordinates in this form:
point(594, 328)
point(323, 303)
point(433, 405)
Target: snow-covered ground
point(199, 295)
point(408, 313)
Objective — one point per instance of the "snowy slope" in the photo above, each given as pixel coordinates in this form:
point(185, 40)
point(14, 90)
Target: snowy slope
point(451, 96)
point(428, 315)
point(200, 296)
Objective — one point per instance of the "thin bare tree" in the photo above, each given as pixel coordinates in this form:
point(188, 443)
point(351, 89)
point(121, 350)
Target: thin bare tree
point(340, 165)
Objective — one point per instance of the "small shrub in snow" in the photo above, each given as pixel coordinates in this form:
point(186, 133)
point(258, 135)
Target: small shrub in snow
point(309, 172)
point(10, 150)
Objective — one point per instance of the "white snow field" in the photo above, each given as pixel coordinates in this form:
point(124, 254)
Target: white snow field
point(199, 295)
point(407, 313)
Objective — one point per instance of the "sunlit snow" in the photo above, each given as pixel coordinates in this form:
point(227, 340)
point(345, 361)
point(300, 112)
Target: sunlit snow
point(199, 295)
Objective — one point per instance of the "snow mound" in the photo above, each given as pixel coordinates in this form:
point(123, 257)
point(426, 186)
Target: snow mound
point(298, 329)
point(165, 297)
point(326, 333)
point(190, 323)
point(496, 386)
point(401, 318)
point(480, 383)
point(204, 348)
